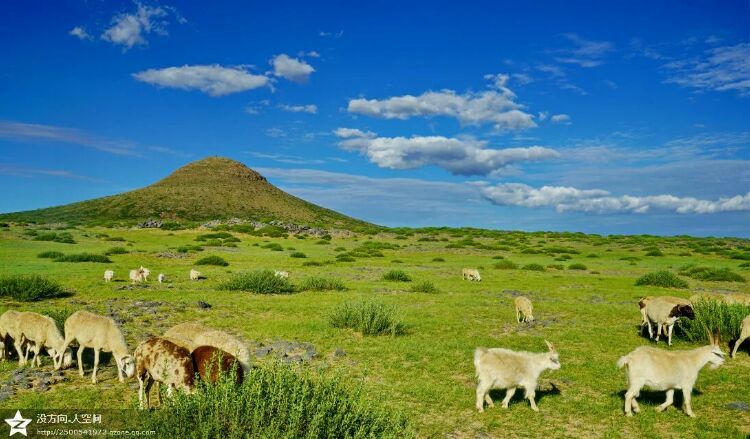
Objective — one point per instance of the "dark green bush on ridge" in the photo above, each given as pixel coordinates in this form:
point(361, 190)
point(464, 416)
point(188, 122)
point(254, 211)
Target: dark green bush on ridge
point(396, 276)
point(259, 282)
point(425, 287)
point(505, 265)
point(50, 254)
point(665, 279)
point(577, 267)
point(83, 257)
point(712, 274)
point(713, 314)
point(212, 260)
point(533, 267)
point(298, 255)
point(116, 251)
point(28, 288)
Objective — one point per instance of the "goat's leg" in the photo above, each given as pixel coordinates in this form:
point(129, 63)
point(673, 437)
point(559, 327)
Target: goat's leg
point(687, 393)
point(630, 396)
point(96, 365)
point(488, 400)
point(737, 345)
point(658, 331)
point(140, 392)
point(19, 350)
point(669, 342)
point(508, 395)
point(149, 383)
point(634, 404)
point(650, 332)
point(530, 394)
point(518, 316)
point(80, 358)
point(65, 345)
point(482, 389)
point(668, 402)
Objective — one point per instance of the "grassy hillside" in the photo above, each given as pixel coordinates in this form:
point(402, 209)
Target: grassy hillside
point(212, 188)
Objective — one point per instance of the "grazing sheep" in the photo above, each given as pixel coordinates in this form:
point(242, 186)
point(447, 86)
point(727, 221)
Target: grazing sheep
point(162, 361)
point(505, 369)
point(41, 332)
point(101, 334)
point(665, 314)
point(281, 274)
point(136, 276)
point(211, 362)
point(192, 335)
point(644, 300)
point(11, 333)
point(744, 334)
point(109, 275)
point(195, 274)
point(523, 306)
point(667, 370)
point(162, 278)
point(471, 274)
point(145, 272)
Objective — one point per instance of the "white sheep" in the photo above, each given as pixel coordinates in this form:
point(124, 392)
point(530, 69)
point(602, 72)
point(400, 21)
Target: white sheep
point(108, 275)
point(506, 369)
point(192, 335)
point(523, 307)
point(10, 331)
point(136, 276)
point(665, 314)
point(195, 274)
point(101, 334)
point(162, 278)
point(744, 334)
point(281, 274)
point(145, 273)
point(41, 331)
point(667, 370)
point(471, 274)
point(645, 300)
point(162, 361)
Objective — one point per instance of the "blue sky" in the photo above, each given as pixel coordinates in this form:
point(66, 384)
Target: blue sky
point(601, 117)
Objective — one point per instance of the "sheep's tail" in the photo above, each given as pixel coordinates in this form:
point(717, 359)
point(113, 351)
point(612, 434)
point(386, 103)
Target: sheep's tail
point(622, 362)
point(478, 352)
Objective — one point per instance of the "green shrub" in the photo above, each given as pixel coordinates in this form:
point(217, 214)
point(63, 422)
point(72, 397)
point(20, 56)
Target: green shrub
point(51, 254)
point(260, 282)
point(712, 274)
point(425, 287)
point(64, 238)
point(533, 267)
point(592, 255)
point(299, 255)
point(273, 247)
point(115, 238)
point(438, 260)
point(83, 257)
point(630, 258)
point(59, 315)
point(396, 276)
point(397, 261)
point(28, 288)
point(577, 267)
point(276, 401)
point(556, 266)
point(656, 252)
point(498, 257)
point(665, 279)
point(505, 265)
point(713, 314)
point(116, 251)
point(322, 242)
point(212, 260)
point(345, 258)
point(745, 265)
point(312, 264)
point(367, 317)
point(322, 284)
point(188, 248)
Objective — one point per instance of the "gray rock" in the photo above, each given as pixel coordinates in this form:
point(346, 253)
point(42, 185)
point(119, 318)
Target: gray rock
point(150, 224)
point(339, 353)
point(738, 405)
point(203, 305)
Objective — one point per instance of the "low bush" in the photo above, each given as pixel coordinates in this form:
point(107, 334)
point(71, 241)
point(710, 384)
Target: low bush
point(711, 274)
point(64, 237)
point(665, 279)
point(298, 255)
point(533, 267)
point(116, 251)
point(498, 257)
point(50, 254)
point(438, 260)
point(656, 252)
point(259, 282)
point(505, 265)
point(83, 257)
point(212, 260)
point(345, 258)
point(367, 317)
point(273, 247)
point(577, 267)
point(397, 261)
point(556, 266)
point(28, 288)
point(322, 284)
point(115, 238)
point(312, 264)
point(713, 314)
point(396, 276)
point(189, 248)
point(425, 287)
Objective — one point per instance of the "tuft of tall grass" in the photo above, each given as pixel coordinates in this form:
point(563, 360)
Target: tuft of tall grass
point(368, 317)
point(259, 282)
point(425, 287)
point(116, 251)
point(713, 314)
point(577, 267)
point(312, 264)
point(63, 237)
point(396, 276)
point(212, 260)
point(438, 259)
point(665, 279)
point(50, 254)
point(533, 267)
point(273, 246)
point(322, 284)
point(83, 257)
point(505, 264)
point(298, 255)
point(29, 288)
point(713, 274)
point(276, 401)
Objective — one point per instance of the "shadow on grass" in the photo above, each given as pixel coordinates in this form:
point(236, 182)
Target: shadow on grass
point(657, 397)
point(497, 395)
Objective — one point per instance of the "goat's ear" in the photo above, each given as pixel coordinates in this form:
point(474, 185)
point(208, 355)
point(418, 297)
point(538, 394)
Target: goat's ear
point(717, 339)
point(710, 336)
point(550, 346)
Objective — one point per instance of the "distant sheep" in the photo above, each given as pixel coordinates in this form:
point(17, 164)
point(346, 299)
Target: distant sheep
point(667, 370)
point(471, 274)
point(162, 278)
point(109, 275)
point(665, 314)
point(145, 273)
point(523, 307)
point(195, 274)
point(744, 334)
point(191, 335)
point(505, 369)
point(101, 334)
point(162, 361)
point(281, 274)
point(136, 276)
point(211, 362)
point(41, 332)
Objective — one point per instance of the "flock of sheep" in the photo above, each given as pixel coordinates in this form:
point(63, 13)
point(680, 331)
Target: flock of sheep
point(646, 366)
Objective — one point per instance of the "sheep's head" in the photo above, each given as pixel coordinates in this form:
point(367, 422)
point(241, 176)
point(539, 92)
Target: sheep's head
point(127, 364)
point(553, 358)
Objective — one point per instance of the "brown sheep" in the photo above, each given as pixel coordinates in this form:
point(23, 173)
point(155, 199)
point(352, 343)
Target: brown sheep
point(211, 362)
point(160, 360)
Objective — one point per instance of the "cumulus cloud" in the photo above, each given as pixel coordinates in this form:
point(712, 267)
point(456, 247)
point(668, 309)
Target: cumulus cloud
point(310, 108)
point(130, 29)
point(214, 80)
point(458, 156)
point(725, 68)
point(560, 118)
point(80, 33)
point(602, 202)
point(293, 69)
point(497, 106)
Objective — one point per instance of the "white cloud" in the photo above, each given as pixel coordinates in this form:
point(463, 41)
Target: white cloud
point(129, 30)
point(338, 34)
point(497, 106)
point(290, 68)
point(585, 53)
point(213, 80)
point(543, 115)
point(458, 156)
point(26, 172)
point(522, 78)
point(602, 202)
point(275, 132)
point(80, 33)
point(310, 108)
point(723, 68)
point(49, 133)
point(560, 118)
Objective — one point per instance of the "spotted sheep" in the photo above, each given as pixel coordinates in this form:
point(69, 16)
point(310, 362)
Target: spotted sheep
point(523, 308)
point(667, 370)
point(191, 335)
point(744, 334)
point(164, 362)
point(664, 314)
point(211, 362)
point(471, 274)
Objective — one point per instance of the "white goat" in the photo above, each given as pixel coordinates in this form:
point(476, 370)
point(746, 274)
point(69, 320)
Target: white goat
point(41, 331)
point(523, 307)
point(108, 275)
point(192, 335)
point(471, 274)
point(136, 276)
point(162, 278)
point(145, 272)
point(744, 334)
point(281, 274)
point(195, 274)
point(667, 370)
point(665, 314)
point(102, 334)
point(505, 369)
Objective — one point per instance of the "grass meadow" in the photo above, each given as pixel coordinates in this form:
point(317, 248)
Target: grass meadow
point(582, 286)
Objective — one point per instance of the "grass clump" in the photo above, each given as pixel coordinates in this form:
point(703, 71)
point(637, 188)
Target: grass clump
point(312, 264)
point(396, 276)
point(533, 267)
point(556, 266)
point(665, 279)
point(259, 282)
point(322, 284)
point(276, 401)
point(50, 254)
point(577, 267)
point(298, 255)
point(368, 318)
point(505, 265)
point(212, 260)
point(655, 252)
point(438, 260)
point(712, 274)
point(425, 287)
point(64, 237)
point(29, 288)
point(116, 251)
point(84, 257)
point(273, 246)
point(714, 314)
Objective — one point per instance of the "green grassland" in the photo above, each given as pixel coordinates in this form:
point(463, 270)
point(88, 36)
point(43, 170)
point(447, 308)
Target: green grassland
point(590, 314)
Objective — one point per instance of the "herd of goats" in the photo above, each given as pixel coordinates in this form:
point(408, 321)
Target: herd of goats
point(190, 351)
